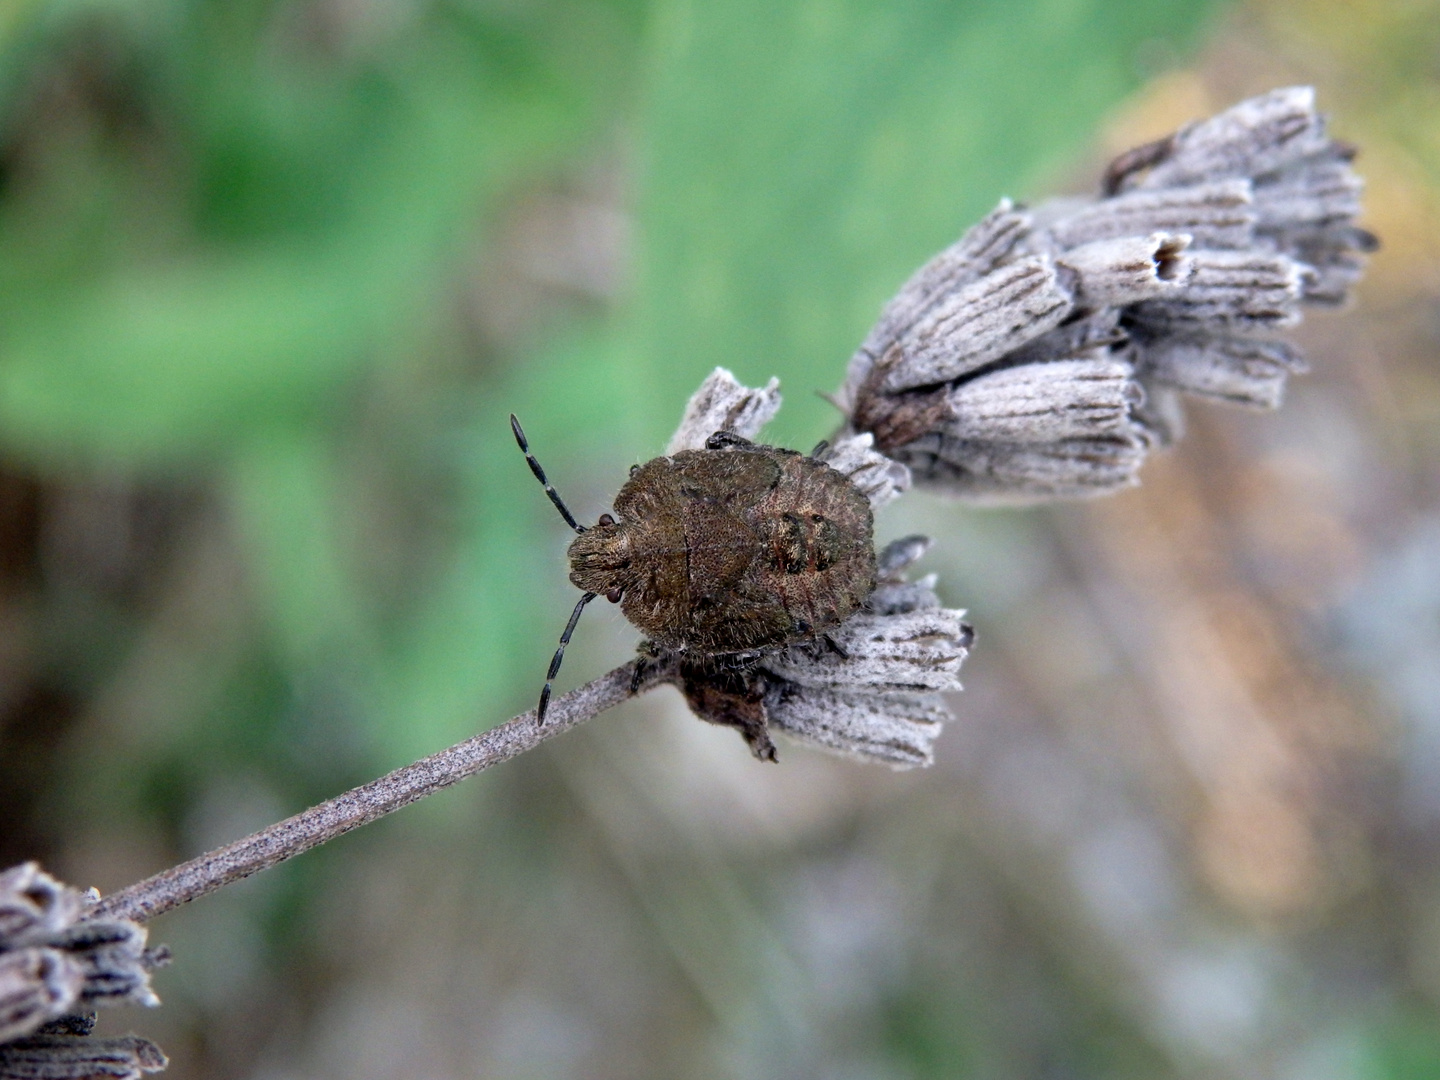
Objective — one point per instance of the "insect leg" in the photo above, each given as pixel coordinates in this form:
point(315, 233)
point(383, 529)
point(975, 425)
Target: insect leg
point(585, 598)
point(725, 440)
point(649, 652)
point(540, 475)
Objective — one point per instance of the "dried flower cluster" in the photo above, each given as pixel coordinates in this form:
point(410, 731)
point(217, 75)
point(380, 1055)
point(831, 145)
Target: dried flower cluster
point(1042, 356)
point(872, 687)
point(55, 969)
point(1045, 353)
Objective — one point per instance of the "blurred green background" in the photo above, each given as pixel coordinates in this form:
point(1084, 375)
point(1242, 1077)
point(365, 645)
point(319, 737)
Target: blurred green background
point(272, 275)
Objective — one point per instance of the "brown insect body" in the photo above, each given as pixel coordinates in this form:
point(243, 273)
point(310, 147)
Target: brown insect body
point(733, 549)
point(720, 555)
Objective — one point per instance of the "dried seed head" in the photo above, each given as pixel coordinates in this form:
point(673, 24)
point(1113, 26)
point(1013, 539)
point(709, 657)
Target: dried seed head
point(722, 404)
point(855, 456)
point(1260, 136)
point(1042, 355)
point(72, 1057)
point(33, 905)
point(1240, 370)
point(869, 686)
point(112, 957)
point(875, 693)
point(54, 964)
point(37, 985)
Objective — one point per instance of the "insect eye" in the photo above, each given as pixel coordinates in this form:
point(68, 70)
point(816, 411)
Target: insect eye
point(614, 595)
point(606, 519)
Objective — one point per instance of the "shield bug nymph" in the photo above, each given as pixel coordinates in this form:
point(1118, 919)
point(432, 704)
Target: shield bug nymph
point(722, 554)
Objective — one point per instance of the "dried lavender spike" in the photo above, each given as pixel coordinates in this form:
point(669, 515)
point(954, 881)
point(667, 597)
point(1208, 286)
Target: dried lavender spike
point(1085, 337)
point(37, 985)
point(978, 324)
point(1161, 416)
point(1312, 194)
point(898, 730)
point(1015, 473)
point(1336, 260)
point(915, 650)
point(71, 1024)
point(1214, 215)
point(722, 404)
point(880, 478)
point(1039, 403)
point(1260, 135)
point(982, 249)
point(898, 554)
point(1244, 371)
point(1113, 273)
point(1267, 201)
point(1246, 290)
point(70, 1057)
point(33, 905)
point(111, 954)
point(875, 695)
point(898, 597)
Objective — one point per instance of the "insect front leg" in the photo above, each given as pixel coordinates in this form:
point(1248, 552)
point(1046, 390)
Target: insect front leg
point(727, 440)
point(649, 654)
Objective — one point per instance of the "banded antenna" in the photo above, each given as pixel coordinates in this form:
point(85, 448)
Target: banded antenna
point(584, 599)
point(540, 475)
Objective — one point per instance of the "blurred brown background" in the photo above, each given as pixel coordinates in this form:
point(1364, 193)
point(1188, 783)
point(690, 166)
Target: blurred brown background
point(274, 273)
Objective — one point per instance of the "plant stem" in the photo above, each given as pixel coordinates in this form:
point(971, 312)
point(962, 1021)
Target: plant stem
point(364, 804)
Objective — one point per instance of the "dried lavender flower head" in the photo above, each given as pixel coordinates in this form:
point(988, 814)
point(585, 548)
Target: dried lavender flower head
point(871, 686)
point(1045, 353)
point(55, 969)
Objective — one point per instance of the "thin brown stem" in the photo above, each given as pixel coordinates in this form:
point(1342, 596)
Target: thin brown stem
point(364, 804)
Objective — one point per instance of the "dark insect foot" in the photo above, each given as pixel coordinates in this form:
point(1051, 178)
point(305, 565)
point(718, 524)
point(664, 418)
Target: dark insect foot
point(641, 663)
point(761, 745)
point(724, 440)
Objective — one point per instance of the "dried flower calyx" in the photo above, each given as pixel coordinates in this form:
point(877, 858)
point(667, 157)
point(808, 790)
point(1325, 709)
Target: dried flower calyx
point(874, 691)
point(1044, 354)
point(871, 687)
point(55, 967)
